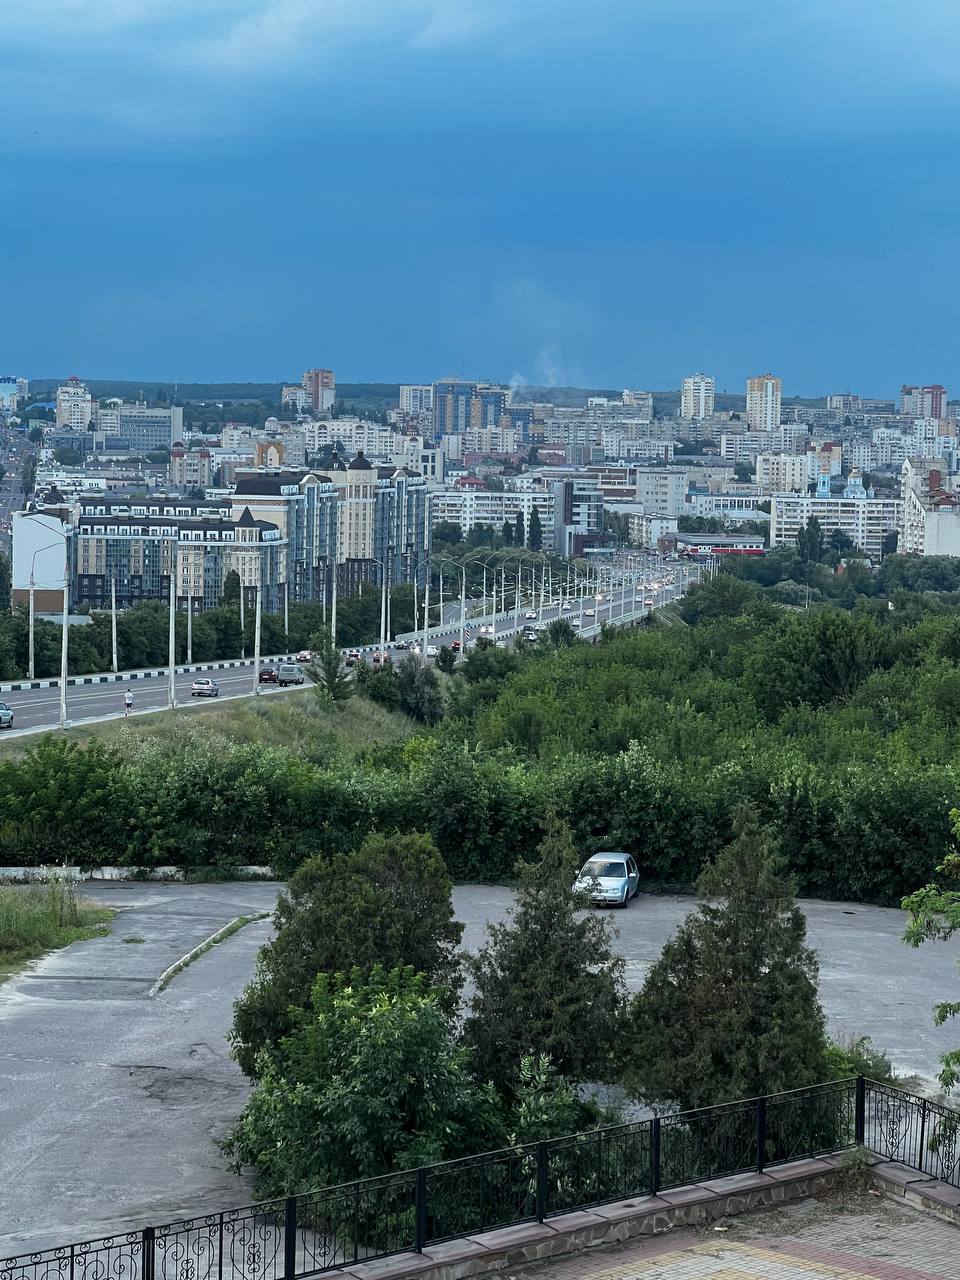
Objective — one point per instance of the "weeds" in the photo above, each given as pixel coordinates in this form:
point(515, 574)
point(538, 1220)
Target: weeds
point(37, 918)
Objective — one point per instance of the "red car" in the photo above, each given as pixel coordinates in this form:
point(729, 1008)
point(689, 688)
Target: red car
point(268, 675)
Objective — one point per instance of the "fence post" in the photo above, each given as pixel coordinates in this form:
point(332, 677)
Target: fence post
point(860, 1112)
point(761, 1133)
point(420, 1211)
point(654, 1155)
point(923, 1133)
point(290, 1238)
point(146, 1246)
point(541, 1181)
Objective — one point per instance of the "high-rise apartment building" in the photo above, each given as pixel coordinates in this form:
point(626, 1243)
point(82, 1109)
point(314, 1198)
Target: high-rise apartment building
point(416, 398)
point(12, 391)
point(74, 405)
point(641, 401)
point(697, 396)
point(923, 402)
point(320, 386)
point(458, 405)
point(844, 402)
point(763, 402)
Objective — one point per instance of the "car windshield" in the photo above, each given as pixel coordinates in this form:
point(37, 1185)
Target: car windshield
point(606, 870)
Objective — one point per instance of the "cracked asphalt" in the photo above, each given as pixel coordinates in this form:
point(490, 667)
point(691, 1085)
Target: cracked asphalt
point(112, 1102)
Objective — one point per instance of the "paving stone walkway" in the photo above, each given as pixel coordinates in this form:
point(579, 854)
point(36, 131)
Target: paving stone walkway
point(855, 1238)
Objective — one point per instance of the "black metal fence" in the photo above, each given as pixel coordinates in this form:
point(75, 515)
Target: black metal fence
point(303, 1235)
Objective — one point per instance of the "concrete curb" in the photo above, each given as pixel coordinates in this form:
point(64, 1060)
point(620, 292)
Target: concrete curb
point(171, 970)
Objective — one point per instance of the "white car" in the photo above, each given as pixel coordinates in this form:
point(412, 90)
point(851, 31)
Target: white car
point(589, 613)
point(567, 608)
point(432, 650)
point(501, 644)
point(576, 624)
point(204, 687)
point(531, 615)
point(609, 878)
point(487, 628)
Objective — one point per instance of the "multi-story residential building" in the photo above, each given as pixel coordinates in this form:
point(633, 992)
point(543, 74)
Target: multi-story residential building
point(191, 468)
point(74, 405)
point(383, 523)
point(763, 402)
point(782, 472)
point(923, 402)
point(577, 515)
point(863, 517)
point(469, 506)
point(931, 508)
point(744, 446)
point(295, 394)
point(304, 507)
point(871, 405)
point(697, 396)
point(640, 401)
point(458, 405)
point(844, 404)
point(416, 398)
point(862, 455)
point(320, 386)
point(725, 506)
point(661, 490)
point(617, 445)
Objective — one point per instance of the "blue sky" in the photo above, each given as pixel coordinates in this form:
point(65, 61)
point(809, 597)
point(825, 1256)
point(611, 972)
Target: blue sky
point(599, 192)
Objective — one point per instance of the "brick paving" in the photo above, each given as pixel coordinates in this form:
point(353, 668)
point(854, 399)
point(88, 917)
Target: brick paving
point(834, 1238)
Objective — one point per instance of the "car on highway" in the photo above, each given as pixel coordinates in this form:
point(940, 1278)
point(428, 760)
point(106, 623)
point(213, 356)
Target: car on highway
point(432, 650)
point(455, 646)
point(268, 675)
point(531, 614)
point(576, 624)
point(487, 628)
point(610, 879)
point(204, 687)
point(305, 656)
point(381, 658)
point(567, 608)
point(289, 673)
point(352, 657)
point(649, 602)
point(6, 716)
point(589, 613)
point(500, 644)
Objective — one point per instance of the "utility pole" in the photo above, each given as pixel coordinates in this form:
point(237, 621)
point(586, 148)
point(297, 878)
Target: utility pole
point(383, 611)
point(333, 607)
point(463, 610)
point(113, 622)
point(286, 609)
point(63, 642)
point(189, 630)
point(172, 638)
point(243, 652)
point(30, 640)
point(426, 612)
point(256, 645)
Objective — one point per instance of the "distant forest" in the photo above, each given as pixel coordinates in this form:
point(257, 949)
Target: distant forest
point(365, 396)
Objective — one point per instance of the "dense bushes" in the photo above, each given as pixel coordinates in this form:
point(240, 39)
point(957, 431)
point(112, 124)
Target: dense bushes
point(842, 730)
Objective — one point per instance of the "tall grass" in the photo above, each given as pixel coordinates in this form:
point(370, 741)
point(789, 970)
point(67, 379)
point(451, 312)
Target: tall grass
point(36, 918)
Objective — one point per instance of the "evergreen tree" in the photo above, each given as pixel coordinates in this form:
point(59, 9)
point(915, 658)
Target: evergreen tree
point(231, 588)
point(547, 981)
point(730, 1009)
point(506, 533)
point(329, 671)
point(535, 536)
point(519, 533)
point(387, 903)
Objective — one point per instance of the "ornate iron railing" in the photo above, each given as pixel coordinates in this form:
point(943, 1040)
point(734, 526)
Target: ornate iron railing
point(317, 1231)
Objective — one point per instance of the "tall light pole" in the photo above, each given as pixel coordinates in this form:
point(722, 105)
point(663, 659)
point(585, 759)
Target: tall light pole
point(113, 622)
point(63, 639)
point(172, 637)
point(189, 629)
point(256, 645)
point(243, 651)
point(333, 607)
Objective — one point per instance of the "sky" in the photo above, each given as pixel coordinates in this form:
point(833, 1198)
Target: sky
point(600, 193)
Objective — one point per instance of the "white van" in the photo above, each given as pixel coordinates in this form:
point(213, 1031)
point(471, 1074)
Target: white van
point(289, 673)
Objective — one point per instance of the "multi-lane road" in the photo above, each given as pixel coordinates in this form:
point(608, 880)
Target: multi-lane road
point(40, 708)
point(649, 586)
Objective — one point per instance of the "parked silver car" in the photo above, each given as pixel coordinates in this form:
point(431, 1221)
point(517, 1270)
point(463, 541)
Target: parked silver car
point(609, 878)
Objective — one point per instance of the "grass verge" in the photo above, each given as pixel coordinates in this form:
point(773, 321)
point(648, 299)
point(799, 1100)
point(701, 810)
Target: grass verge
point(297, 720)
point(36, 919)
point(214, 940)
